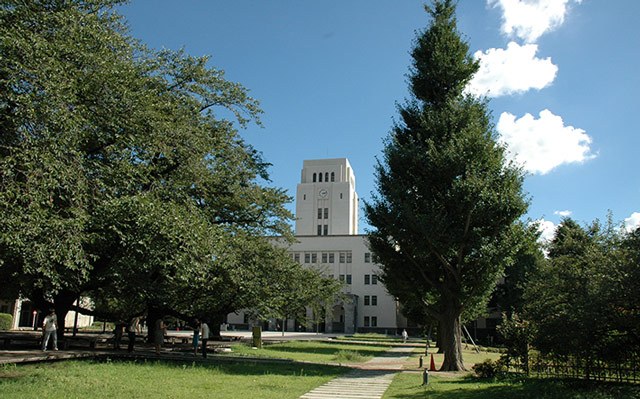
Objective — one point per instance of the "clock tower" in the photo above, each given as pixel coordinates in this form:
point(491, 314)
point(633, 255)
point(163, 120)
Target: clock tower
point(326, 199)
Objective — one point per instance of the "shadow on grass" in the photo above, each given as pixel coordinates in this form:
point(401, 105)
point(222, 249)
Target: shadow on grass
point(518, 388)
point(324, 349)
point(243, 368)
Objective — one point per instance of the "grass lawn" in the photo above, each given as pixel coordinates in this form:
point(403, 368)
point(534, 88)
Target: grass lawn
point(469, 356)
point(409, 386)
point(313, 351)
point(373, 337)
point(157, 379)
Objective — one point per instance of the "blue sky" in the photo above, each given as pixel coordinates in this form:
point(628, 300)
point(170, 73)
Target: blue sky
point(562, 78)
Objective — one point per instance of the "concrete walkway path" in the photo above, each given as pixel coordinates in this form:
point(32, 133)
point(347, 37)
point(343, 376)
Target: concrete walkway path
point(369, 381)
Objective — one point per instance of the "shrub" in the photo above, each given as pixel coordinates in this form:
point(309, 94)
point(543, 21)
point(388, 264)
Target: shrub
point(490, 369)
point(6, 321)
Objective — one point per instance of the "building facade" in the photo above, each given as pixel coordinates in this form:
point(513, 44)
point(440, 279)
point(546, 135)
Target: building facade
point(326, 229)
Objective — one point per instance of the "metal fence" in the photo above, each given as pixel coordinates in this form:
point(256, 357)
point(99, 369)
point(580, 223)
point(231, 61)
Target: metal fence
point(585, 369)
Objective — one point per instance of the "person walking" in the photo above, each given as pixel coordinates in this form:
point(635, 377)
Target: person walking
point(204, 337)
point(196, 337)
point(158, 335)
point(405, 335)
point(50, 329)
point(132, 329)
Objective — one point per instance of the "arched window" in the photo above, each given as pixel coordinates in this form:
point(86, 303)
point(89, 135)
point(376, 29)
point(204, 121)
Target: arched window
point(326, 176)
point(320, 177)
point(314, 177)
point(333, 176)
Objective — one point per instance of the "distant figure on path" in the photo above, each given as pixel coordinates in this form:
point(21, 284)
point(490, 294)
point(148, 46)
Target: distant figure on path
point(204, 336)
point(405, 335)
point(50, 329)
point(158, 335)
point(132, 329)
point(196, 337)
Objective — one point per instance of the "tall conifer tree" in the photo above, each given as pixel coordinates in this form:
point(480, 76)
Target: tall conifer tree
point(446, 200)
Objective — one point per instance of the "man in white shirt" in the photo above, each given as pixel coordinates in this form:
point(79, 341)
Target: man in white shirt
point(49, 329)
point(204, 337)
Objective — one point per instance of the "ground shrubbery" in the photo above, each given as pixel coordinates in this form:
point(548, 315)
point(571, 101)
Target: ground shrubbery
point(6, 321)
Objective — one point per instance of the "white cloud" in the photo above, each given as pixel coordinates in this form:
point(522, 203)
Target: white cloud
point(530, 19)
point(512, 70)
point(547, 230)
point(563, 213)
point(542, 144)
point(632, 222)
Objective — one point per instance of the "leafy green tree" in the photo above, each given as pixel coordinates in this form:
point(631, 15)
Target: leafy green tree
point(119, 179)
point(446, 201)
point(508, 296)
point(567, 301)
point(585, 300)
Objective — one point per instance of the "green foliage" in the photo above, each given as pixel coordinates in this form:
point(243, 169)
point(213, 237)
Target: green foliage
point(490, 369)
point(6, 321)
point(518, 335)
point(446, 200)
point(122, 180)
point(584, 302)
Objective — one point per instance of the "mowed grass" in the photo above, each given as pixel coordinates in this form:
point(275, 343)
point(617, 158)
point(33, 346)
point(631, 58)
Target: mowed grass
point(158, 379)
point(313, 351)
point(409, 386)
point(374, 337)
point(469, 356)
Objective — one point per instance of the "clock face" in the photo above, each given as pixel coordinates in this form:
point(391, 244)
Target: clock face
point(323, 193)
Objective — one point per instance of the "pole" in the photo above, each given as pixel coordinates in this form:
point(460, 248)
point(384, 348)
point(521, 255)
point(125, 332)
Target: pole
point(75, 322)
point(471, 339)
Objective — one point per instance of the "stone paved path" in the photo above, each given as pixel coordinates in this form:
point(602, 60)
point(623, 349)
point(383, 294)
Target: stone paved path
point(368, 382)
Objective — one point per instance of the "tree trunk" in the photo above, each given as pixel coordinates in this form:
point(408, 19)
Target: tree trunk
point(153, 315)
point(214, 326)
point(451, 340)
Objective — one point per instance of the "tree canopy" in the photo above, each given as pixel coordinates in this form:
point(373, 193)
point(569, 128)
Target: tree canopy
point(446, 200)
point(122, 172)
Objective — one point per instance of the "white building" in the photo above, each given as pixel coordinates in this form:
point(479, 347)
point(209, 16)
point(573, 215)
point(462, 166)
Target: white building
point(327, 212)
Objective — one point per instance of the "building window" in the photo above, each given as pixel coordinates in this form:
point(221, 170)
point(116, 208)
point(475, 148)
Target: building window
point(320, 177)
point(324, 257)
point(366, 279)
point(341, 277)
point(307, 258)
point(374, 321)
point(319, 229)
point(367, 257)
point(314, 177)
point(319, 213)
point(348, 279)
point(366, 321)
point(366, 300)
point(304, 197)
point(374, 279)
point(326, 176)
point(332, 257)
point(326, 229)
point(342, 255)
point(340, 195)
point(374, 300)
point(296, 257)
point(326, 213)
point(314, 258)
point(333, 176)
point(348, 257)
